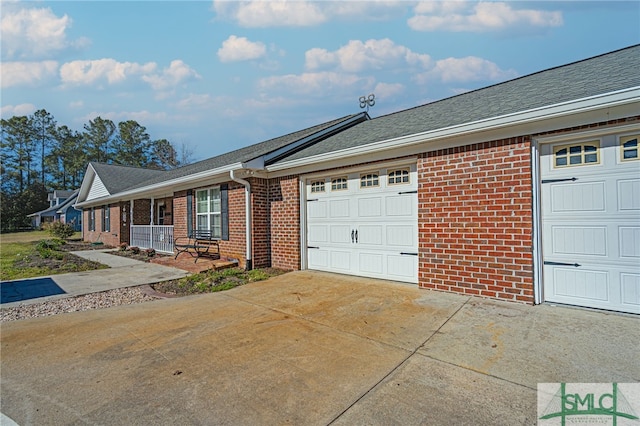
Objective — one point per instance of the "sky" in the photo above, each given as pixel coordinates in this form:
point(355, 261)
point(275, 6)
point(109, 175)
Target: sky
point(214, 76)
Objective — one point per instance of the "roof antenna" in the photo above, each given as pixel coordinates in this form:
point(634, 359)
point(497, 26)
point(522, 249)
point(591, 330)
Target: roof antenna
point(367, 101)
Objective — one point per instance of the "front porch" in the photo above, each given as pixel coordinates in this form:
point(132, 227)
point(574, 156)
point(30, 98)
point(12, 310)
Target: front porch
point(158, 237)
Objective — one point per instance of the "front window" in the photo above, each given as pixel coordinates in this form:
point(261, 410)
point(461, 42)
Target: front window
point(92, 219)
point(208, 211)
point(106, 220)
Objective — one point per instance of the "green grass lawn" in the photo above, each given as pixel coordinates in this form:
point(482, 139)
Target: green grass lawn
point(21, 246)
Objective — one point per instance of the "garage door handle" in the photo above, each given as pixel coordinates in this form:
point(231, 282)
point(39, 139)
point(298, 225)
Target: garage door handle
point(356, 236)
point(577, 265)
point(312, 247)
point(408, 254)
point(352, 234)
point(407, 192)
point(573, 179)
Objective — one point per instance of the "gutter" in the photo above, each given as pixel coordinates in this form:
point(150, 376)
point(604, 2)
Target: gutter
point(247, 204)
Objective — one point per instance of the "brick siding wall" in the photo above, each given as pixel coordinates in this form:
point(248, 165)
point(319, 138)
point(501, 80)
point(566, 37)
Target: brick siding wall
point(109, 238)
point(284, 202)
point(261, 253)
point(475, 220)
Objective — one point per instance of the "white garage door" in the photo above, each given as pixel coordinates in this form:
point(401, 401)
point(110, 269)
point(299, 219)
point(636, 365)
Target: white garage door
point(364, 223)
point(591, 223)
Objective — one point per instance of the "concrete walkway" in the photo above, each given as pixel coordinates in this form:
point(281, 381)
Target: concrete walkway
point(309, 348)
point(122, 272)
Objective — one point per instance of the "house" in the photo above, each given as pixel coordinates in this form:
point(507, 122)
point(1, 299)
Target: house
point(527, 190)
point(60, 202)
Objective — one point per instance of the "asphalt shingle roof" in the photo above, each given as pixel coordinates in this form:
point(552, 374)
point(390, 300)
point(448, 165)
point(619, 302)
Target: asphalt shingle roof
point(118, 178)
point(594, 76)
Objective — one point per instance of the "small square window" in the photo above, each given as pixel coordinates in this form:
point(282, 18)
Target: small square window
point(399, 176)
point(339, 184)
point(369, 180)
point(317, 186)
point(629, 147)
point(578, 154)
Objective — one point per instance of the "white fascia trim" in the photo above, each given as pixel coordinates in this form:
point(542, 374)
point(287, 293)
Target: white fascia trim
point(131, 194)
point(543, 113)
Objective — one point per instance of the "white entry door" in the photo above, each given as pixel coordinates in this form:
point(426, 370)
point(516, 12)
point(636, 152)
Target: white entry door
point(591, 222)
point(364, 223)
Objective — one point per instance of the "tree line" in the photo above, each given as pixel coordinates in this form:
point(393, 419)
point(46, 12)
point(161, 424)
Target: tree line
point(37, 156)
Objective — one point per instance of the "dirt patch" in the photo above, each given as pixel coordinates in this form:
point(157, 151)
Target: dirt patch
point(212, 281)
point(58, 262)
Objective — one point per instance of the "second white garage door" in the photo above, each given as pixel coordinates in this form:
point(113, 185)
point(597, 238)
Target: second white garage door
point(364, 223)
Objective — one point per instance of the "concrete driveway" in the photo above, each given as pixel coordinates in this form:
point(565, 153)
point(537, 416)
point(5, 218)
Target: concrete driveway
point(308, 348)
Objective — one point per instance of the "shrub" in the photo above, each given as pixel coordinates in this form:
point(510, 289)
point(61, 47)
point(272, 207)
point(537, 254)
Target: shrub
point(150, 252)
point(50, 249)
point(135, 250)
point(123, 246)
point(59, 229)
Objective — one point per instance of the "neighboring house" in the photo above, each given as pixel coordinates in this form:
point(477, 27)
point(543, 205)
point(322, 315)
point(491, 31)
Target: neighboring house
point(527, 190)
point(56, 199)
point(69, 214)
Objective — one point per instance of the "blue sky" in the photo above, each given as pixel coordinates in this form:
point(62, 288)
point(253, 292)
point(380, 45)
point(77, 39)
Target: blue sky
point(220, 75)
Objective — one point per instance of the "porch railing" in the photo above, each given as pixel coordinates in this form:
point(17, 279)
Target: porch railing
point(157, 237)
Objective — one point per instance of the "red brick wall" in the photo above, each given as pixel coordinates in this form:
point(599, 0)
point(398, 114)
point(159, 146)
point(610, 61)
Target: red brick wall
point(475, 220)
point(236, 247)
point(180, 214)
point(284, 202)
point(261, 253)
point(109, 238)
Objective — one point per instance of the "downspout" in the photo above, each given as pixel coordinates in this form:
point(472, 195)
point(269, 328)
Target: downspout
point(247, 205)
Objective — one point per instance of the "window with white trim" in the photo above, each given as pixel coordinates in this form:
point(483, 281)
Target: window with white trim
point(338, 184)
point(576, 154)
point(629, 147)
point(369, 180)
point(398, 177)
point(317, 186)
point(209, 211)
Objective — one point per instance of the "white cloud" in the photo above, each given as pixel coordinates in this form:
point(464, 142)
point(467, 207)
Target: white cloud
point(26, 73)
point(272, 13)
point(315, 84)
point(194, 101)
point(359, 56)
point(177, 73)
point(143, 117)
point(466, 69)
point(18, 110)
point(479, 17)
point(34, 33)
point(88, 72)
point(303, 13)
point(388, 90)
point(240, 49)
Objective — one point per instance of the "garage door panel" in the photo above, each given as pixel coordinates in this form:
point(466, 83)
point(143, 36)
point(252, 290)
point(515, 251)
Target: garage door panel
point(403, 267)
point(401, 236)
point(591, 284)
point(579, 240)
point(370, 235)
point(318, 259)
point(578, 197)
point(371, 263)
point(340, 234)
point(629, 195)
point(340, 260)
point(317, 210)
point(630, 289)
point(400, 205)
point(318, 234)
point(339, 209)
point(629, 240)
point(370, 207)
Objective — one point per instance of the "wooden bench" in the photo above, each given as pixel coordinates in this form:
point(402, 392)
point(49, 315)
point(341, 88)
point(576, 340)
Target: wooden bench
point(197, 244)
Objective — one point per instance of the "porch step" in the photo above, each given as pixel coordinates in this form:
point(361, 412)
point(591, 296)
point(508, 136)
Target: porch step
point(186, 263)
